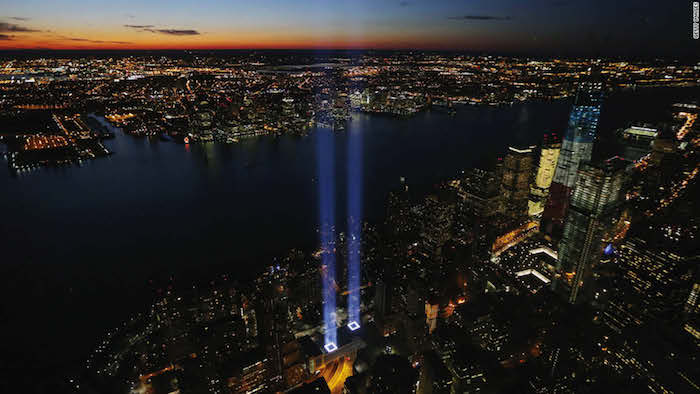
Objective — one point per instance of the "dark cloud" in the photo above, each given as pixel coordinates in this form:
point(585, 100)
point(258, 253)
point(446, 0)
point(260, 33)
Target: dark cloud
point(479, 18)
point(78, 39)
point(19, 18)
point(405, 3)
point(10, 27)
point(172, 32)
point(5, 37)
point(175, 32)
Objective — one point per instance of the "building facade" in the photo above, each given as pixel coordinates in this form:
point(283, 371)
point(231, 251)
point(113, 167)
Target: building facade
point(576, 148)
point(594, 199)
point(515, 182)
point(539, 190)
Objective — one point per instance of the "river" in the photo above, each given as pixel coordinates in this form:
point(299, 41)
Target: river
point(81, 244)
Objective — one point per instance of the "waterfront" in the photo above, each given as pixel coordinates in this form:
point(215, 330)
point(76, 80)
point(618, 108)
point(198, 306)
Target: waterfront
point(156, 210)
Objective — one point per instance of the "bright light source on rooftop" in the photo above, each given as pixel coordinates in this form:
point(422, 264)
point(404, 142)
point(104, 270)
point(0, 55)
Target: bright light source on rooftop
point(330, 347)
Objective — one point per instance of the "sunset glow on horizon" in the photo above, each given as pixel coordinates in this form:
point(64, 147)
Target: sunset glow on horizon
point(507, 25)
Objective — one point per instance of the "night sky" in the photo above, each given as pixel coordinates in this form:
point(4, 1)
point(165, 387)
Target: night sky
point(568, 27)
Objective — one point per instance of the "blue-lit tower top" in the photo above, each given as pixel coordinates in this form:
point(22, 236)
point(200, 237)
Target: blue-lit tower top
point(577, 146)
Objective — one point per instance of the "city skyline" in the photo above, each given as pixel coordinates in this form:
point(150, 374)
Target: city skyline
point(371, 197)
point(541, 27)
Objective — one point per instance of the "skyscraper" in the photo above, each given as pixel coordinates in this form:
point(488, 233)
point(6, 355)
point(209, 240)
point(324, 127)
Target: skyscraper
point(515, 183)
point(577, 147)
point(478, 203)
point(595, 197)
point(382, 298)
point(692, 304)
point(437, 223)
point(400, 221)
point(539, 190)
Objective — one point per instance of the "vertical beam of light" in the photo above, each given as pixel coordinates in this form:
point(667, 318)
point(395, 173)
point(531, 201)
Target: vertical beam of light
point(354, 224)
point(326, 189)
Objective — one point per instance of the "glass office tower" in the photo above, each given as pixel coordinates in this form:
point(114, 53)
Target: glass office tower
point(594, 201)
point(576, 148)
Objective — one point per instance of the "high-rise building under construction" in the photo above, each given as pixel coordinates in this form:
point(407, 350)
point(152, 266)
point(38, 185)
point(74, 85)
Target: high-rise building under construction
point(596, 196)
point(577, 148)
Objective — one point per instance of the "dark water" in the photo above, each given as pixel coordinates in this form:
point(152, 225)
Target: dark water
point(80, 244)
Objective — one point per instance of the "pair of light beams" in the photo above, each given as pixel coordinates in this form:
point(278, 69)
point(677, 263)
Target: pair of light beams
point(326, 169)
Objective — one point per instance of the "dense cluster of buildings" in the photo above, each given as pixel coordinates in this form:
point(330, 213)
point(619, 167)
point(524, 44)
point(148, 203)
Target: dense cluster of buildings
point(65, 139)
point(227, 97)
point(550, 270)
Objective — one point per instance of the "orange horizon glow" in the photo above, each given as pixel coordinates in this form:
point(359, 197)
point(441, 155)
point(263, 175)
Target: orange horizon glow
point(185, 44)
point(120, 39)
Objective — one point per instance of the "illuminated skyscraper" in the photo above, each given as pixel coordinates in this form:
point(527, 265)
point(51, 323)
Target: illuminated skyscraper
point(515, 183)
point(539, 190)
point(594, 198)
point(202, 121)
point(577, 147)
point(692, 304)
